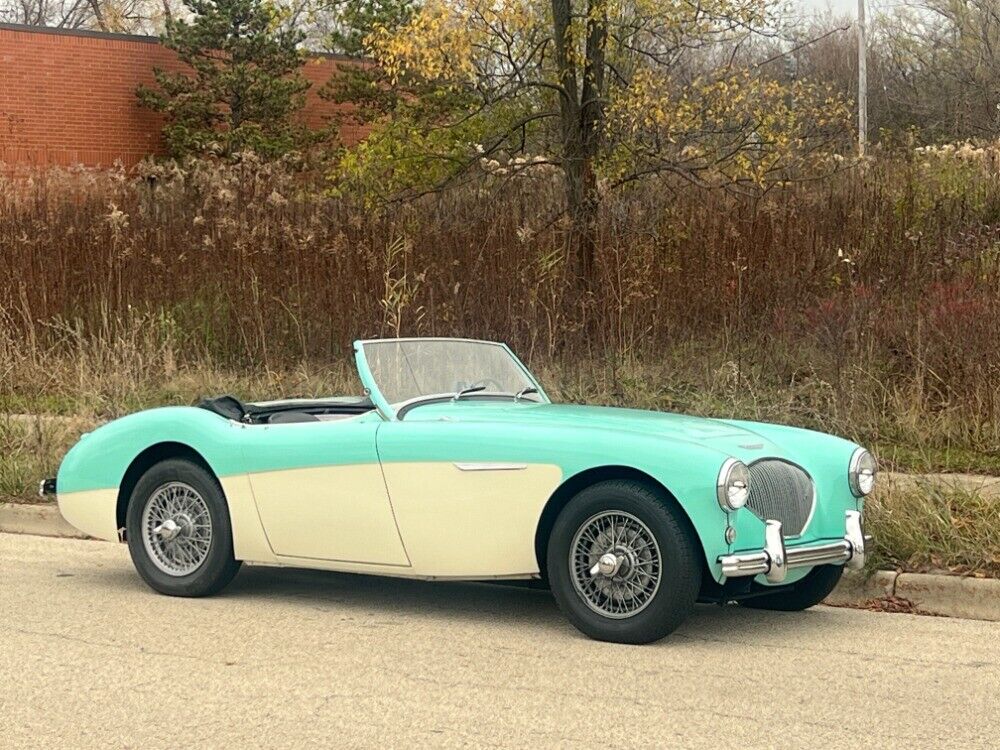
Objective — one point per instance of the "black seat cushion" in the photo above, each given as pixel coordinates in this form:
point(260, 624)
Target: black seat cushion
point(289, 417)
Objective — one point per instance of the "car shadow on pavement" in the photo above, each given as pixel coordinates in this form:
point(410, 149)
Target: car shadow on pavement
point(493, 602)
point(349, 592)
point(379, 600)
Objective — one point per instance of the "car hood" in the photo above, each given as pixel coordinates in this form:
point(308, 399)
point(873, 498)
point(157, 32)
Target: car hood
point(733, 439)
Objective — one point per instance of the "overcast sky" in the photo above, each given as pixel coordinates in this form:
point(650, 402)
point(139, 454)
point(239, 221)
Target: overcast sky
point(839, 6)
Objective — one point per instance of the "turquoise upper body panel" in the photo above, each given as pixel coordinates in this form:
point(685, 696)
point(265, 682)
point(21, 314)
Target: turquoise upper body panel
point(101, 457)
point(99, 460)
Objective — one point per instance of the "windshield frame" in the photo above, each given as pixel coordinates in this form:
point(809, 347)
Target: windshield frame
point(395, 412)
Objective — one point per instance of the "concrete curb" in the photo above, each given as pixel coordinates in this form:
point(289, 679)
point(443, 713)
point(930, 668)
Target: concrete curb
point(856, 588)
point(927, 593)
point(951, 596)
point(42, 520)
point(971, 598)
point(973, 484)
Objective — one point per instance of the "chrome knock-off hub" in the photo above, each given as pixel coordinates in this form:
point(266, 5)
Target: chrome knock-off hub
point(167, 530)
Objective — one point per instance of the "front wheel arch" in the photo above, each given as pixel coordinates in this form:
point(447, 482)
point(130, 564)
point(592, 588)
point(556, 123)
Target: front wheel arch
point(575, 484)
point(142, 463)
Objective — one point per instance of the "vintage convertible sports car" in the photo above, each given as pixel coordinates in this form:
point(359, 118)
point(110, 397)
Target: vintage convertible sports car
point(456, 465)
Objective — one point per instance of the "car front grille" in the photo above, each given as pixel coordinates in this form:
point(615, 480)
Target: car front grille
point(781, 491)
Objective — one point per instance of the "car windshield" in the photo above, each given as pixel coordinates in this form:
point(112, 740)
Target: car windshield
point(406, 369)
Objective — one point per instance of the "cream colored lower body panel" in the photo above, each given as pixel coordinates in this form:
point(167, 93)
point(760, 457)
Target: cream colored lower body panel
point(94, 512)
point(249, 540)
point(329, 513)
point(470, 524)
point(456, 524)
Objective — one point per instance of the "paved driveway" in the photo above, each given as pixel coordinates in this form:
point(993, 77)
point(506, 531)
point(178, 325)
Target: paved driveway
point(90, 658)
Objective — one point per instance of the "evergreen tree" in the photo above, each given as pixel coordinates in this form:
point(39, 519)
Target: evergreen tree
point(355, 20)
point(243, 85)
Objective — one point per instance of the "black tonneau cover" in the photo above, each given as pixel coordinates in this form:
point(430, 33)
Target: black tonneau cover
point(231, 407)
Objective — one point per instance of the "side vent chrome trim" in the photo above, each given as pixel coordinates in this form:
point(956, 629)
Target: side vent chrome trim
point(489, 466)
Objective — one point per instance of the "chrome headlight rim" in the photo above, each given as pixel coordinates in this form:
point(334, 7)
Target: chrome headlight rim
point(726, 480)
point(862, 472)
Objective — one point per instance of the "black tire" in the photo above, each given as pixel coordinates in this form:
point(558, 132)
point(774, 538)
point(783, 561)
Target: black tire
point(680, 567)
point(218, 566)
point(814, 587)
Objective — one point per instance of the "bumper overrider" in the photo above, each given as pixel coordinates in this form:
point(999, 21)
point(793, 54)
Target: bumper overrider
point(774, 561)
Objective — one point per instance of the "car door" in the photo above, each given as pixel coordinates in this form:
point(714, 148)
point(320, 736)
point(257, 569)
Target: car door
point(320, 493)
point(459, 515)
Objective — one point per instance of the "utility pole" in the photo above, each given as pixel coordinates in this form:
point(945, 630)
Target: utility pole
point(862, 80)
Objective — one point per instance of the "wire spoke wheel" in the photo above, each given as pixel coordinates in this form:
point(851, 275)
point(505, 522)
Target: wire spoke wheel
point(615, 564)
point(176, 529)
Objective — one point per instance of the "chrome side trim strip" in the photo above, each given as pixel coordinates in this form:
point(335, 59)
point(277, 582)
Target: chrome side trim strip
point(489, 466)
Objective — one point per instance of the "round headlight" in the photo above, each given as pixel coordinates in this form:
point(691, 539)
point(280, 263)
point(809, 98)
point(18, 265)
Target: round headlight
point(733, 488)
point(861, 474)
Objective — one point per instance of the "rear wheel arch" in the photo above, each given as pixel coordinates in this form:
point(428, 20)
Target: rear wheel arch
point(143, 462)
point(589, 477)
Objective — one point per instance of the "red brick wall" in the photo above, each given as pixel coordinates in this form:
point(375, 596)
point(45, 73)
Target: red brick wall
point(69, 98)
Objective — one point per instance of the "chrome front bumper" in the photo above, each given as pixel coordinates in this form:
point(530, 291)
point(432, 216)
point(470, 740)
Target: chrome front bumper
point(774, 561)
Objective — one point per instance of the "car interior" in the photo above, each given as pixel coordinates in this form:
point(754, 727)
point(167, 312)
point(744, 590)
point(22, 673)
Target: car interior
point(287, 411)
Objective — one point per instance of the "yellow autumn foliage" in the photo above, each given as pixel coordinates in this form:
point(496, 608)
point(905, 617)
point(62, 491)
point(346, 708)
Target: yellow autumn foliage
point(670, 96)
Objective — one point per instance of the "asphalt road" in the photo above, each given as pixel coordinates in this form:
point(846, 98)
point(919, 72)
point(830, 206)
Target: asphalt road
point(90, 658)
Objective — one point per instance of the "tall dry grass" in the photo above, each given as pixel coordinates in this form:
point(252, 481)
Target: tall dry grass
point(866, 304)
point(934, 524)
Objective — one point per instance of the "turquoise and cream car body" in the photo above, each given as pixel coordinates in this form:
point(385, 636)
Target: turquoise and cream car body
point(456, 464)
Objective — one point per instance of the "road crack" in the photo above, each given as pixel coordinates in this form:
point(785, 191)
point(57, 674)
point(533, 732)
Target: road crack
point(119, 646)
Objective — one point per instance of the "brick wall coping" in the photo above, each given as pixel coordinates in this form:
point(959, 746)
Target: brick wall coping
point(78, 32)
point(144, 38)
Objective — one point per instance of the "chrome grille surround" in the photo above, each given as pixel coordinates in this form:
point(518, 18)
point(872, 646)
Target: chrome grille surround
point(781, 491)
